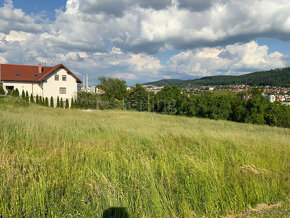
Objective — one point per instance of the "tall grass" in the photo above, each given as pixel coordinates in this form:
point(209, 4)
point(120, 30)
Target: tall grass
point(57, 162)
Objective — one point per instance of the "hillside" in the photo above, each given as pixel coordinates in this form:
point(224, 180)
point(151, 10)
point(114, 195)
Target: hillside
point(277, 77)
point(58, 162)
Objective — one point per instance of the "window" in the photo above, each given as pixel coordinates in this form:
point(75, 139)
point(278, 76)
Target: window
point(56, 77)
point(64, 78)
point(35, 75)
point(17, 74)
point(62, 90)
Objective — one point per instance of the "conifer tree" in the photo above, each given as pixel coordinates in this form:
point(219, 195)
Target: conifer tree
point(37, 99)
point(66, 104)
point(46, 102)
point(15, 93)
point(27, 96)
point(23, 94)
point(51, 102)
point(31, 98)
point(61, 102)
point(72, 103)
point(57, 102)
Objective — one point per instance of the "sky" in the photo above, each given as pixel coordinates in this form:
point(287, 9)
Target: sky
point(147, 40)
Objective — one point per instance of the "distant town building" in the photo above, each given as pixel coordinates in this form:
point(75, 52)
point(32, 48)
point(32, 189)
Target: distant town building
point(271, 98)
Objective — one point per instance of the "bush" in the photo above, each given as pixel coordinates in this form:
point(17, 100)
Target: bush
point(15, 93)
point(2, 92)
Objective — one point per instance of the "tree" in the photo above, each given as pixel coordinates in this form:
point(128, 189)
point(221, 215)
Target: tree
point(31, 98)
point(138, 98)
point(256, 109)
point(46, 102)
point(37, 99)
point(66, 103)
point(72, 103)
point(57, 102)
point(51, 102)
point(23, 95)
point(169, 100)
point(27, 96)
point(15, 93)
point(277, 115)
point(113, 88)
point(61, 103)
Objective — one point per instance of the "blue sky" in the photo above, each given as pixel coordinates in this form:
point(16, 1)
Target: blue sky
point(36, 6)
point(145, 40)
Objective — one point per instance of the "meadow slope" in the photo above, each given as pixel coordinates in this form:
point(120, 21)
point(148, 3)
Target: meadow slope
point(57, 162)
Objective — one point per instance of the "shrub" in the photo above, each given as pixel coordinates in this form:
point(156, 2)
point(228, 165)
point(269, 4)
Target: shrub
point(15, 93)
point(2, 92)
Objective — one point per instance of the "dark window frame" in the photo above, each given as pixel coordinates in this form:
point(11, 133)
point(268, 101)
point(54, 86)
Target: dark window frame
point(56, 77)
point(62, 90)
point(63, 76)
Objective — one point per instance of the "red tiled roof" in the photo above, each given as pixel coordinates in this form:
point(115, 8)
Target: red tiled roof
point(10, 72)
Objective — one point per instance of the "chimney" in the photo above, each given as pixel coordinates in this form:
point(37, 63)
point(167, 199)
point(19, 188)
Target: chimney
point(84, 83)
point(87, 81)
point(39, 68)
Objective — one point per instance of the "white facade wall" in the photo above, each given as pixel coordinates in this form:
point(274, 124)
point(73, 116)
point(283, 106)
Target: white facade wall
point(32, 88)
point(49, 87)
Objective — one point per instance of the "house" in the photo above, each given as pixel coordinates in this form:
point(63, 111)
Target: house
point(43, 81)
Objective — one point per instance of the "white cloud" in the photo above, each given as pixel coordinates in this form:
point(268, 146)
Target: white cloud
point(15, 19)
point(232, 59)
point(122, 37)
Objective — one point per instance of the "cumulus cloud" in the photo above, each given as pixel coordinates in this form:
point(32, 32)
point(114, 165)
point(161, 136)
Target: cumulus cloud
point(232, 59)
point(122, 37)
point(150, 26)
point(15, 19)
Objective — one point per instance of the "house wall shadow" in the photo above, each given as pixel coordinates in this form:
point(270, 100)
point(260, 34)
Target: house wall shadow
point(116, 212)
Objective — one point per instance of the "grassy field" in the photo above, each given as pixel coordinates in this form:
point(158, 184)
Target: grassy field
point(57, 162)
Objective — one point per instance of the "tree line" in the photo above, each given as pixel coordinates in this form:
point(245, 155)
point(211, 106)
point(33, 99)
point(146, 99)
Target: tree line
point(276, 77)
point(217, 105)
point(245, 107)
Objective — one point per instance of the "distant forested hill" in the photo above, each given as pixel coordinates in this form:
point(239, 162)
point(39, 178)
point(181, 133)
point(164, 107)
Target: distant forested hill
point(277, 77)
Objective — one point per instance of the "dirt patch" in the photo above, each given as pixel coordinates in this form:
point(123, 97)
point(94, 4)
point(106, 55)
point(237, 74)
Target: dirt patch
point(260, 208)
point(254, 169)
